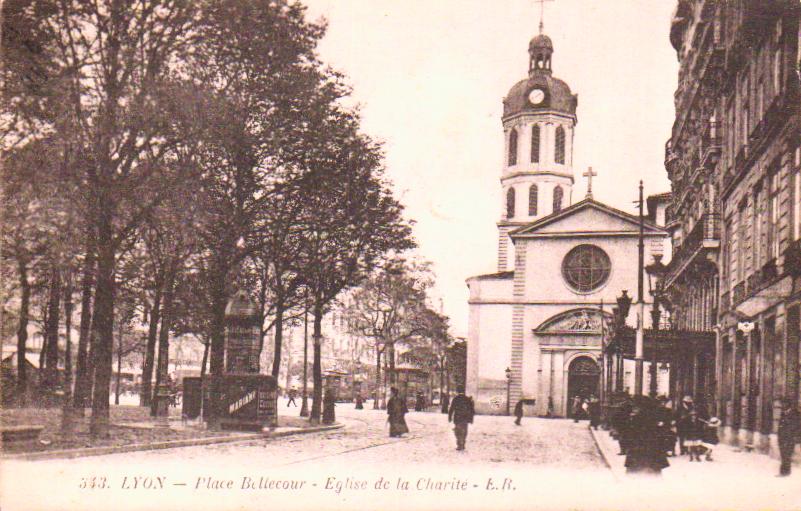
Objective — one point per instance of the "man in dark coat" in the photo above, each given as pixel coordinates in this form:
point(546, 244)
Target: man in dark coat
point(682, 418)
point(461, 414)
point(644, 453)
point(419, 402)
point(396, 412)
point(789, 434)
point(519, 412)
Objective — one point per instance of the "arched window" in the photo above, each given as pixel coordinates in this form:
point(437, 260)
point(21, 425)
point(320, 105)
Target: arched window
point(532, 200)
point(559, 150)
point(535, 143)
point(513, 147)
point(557, 198)
point(510, 202)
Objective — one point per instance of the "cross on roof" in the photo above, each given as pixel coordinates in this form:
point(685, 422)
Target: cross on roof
point(542, 11)
point(589, 175)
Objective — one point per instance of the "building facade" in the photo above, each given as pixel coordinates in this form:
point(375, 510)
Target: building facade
point(536, 326)
point(733, 161)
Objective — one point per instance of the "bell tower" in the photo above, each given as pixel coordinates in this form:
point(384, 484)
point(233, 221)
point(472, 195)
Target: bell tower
point(539, 117)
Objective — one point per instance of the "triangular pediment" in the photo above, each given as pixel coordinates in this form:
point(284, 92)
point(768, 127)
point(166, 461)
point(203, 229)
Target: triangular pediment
point(576, 321)
point(587, 216)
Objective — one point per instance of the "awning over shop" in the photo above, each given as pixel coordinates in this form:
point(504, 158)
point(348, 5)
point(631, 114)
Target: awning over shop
point(668, 343)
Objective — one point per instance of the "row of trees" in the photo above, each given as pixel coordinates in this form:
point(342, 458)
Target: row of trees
point(158, 155)
point(391, 314)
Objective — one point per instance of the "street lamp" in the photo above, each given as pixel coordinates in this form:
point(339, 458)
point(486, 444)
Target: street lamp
point(623, 307)
point(508, 388)
point(656, 272)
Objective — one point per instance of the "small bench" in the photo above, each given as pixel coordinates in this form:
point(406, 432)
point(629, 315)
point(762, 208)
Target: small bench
point(19, 434)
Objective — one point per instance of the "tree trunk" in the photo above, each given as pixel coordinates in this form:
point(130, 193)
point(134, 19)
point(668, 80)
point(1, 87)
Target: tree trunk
point(279, 337)
point(219, 299)
point(288, 363)
point(104, 322)
point(162, 367)
point(119, 364)
point(51, 379)
point(22, 333)
point(83, 380)
point(67, 410)
point(204, 362)
point(393, 378)
point(150, 350)
point(377, 376)
point(317, 370)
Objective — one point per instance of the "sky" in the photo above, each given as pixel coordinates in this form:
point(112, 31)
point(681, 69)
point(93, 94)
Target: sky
point(429, 77)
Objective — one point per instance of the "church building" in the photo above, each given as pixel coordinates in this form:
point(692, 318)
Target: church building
point(536, 326)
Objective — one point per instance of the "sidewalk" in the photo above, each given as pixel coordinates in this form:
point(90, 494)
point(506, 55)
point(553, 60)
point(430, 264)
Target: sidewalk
point(727, 460)
point(192, 433)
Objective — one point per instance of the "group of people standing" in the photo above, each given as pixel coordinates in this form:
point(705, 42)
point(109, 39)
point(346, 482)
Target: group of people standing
point(648, 429)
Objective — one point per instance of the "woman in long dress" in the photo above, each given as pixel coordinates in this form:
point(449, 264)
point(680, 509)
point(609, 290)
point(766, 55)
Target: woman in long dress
point(396, 409)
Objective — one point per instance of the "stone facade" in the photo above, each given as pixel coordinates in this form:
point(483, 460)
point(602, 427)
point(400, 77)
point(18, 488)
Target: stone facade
point(734, 163)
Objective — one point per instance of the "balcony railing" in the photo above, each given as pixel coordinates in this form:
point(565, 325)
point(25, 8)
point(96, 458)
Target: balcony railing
point(710, 144)
point(706, 230)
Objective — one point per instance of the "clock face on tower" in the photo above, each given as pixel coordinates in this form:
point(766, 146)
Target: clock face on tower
point(536, 96)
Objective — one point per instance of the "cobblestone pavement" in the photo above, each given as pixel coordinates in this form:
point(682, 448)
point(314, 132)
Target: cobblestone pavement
point(543, 464)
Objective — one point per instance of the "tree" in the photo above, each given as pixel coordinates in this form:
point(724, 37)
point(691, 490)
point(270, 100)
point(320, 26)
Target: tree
point(252, 70)
point(389, 308)
point(350, 222)
point(107, 76)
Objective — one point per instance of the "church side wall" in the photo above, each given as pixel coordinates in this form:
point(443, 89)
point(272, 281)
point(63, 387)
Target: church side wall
point(489, 356)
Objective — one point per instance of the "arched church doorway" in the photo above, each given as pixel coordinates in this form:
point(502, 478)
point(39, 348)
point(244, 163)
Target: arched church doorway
point(582, 380)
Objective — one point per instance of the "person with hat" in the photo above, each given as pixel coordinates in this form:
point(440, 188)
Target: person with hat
point(396, 412)
point(789, 434)
point(461, 413)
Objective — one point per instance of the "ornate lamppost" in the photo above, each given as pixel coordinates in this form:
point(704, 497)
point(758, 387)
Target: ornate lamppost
point(656, 272)
point(508, 388)
point(623, 307)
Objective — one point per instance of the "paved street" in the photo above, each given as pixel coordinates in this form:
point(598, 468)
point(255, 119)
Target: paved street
point(544, 464)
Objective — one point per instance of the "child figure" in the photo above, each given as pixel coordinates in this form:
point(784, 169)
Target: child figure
point(693, 435)
point(710, 436)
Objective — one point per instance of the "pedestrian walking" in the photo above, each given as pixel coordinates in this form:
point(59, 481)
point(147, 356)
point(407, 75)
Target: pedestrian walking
point(396, 412)
point(789, 434)
point(549, 411)
point(576, 408)
point(292, 394)
point(594, 410)
point(519, 412)
point(359, 402)
point(461, 413)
